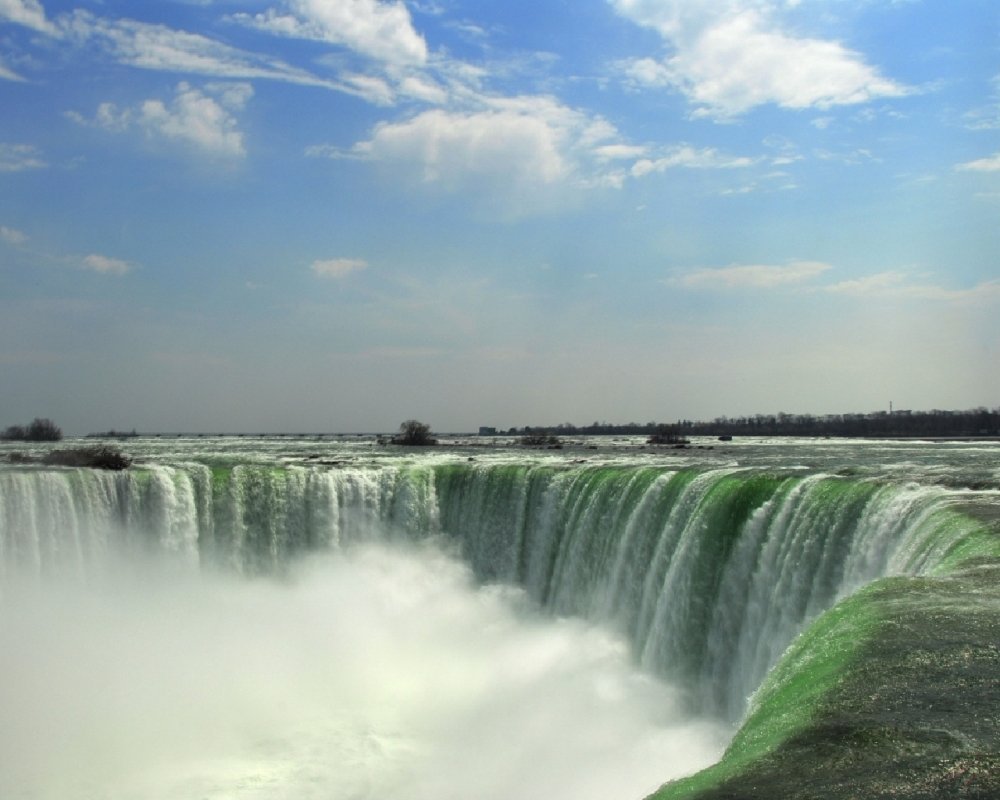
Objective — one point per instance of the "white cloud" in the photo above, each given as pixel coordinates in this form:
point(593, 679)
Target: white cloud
point(729, 57)
point(860, 155)
point(107, 117)
point(12, 235)
point(989, 164)
point(986, 118)
point(894, 285)
point(521, 152)
point(8, 74)
point(620, 152)
point(888, 285)
point(331, 151)
point(372, 88)
point(647, 72)
point(338, 267)
point(879, 283)
point(687, 156)
point(157, 47)
point(26, 12)
point(423, 88)
point(754, 276)
point(379, 30)
point(200, 119)
point(106, 265)
point(17, 157)
point(376, 31)
point(512, 146)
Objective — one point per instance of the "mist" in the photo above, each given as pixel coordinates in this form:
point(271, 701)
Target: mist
point(382, 670)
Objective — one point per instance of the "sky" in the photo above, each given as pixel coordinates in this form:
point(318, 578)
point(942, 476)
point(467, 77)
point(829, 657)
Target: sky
point(334, 215)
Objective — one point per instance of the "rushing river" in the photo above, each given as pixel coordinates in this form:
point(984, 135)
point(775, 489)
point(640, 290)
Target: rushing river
point(326, 617)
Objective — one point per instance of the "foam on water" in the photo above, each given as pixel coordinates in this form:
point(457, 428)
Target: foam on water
point(381, 670)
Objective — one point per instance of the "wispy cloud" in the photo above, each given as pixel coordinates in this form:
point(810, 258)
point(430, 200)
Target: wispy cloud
point(159, 47)
point(7, 74)
point(40, 255)
point(105, 264)
point(802, 275)
point(12, 235)
point(752, 276)
point(379, 54)
point(380, 30)
point(200, 118)
point(988, 164)
point(987, 117)
point(338, 267)
point(895, 284)
point(17, 157)
point(26, 12)
point(691, 158)
point(730, 57)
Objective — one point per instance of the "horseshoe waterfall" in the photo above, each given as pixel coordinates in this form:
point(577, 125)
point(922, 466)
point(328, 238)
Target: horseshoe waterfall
point(292, 617)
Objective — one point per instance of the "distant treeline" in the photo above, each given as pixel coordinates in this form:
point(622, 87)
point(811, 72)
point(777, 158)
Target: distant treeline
point(927, 424)
point(113, 434)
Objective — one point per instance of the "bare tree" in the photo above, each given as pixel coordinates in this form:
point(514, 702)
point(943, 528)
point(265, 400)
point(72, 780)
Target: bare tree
point(44, 430)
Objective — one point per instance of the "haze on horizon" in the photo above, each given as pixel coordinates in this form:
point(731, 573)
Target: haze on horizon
point(333, 215)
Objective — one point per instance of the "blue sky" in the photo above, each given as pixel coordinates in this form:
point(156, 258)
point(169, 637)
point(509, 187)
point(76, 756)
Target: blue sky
point(333, 215)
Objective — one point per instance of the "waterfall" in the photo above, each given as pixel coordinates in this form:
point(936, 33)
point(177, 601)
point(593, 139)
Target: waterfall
point(709, 573)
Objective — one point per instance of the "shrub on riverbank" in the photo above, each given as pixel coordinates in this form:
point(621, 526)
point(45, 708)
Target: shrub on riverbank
point(40, 430)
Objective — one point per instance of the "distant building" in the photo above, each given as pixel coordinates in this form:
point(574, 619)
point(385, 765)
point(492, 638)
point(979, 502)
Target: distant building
point(484, 431)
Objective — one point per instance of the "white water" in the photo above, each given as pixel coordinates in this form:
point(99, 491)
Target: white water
point(379, 671)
